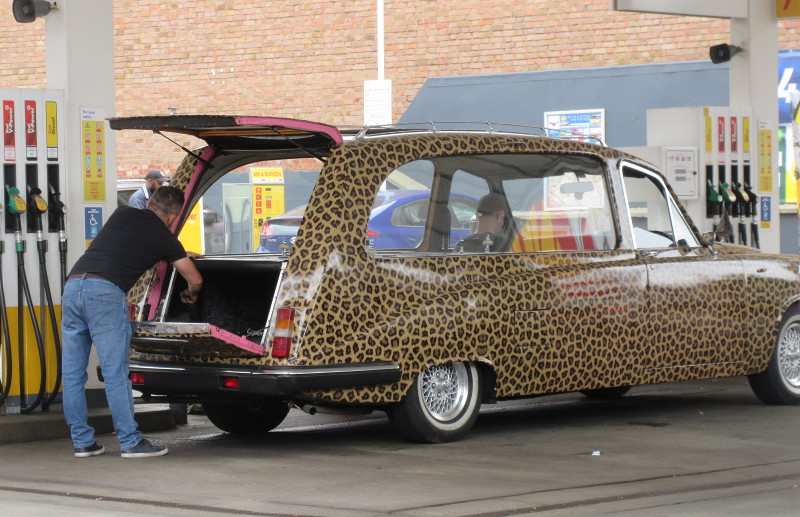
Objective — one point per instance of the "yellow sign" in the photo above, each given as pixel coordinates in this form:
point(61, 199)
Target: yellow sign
point(51, 119)
point(787, 9)
point(765, 160)
point(268, 201)
point(709, 137)
point(266, 175)
point(93, 147)
point(191, 235)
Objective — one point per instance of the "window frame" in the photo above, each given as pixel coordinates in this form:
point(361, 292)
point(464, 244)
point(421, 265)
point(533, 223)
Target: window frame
point(675, 214)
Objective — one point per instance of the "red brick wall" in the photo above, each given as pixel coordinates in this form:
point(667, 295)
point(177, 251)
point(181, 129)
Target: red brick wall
point(305, 59)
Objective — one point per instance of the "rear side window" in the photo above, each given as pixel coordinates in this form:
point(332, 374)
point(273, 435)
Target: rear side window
point(495, 203)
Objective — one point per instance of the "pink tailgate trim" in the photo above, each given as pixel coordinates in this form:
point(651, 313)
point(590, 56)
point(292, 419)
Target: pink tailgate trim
point(155, 289)
point(305, 125)
point(237, 341)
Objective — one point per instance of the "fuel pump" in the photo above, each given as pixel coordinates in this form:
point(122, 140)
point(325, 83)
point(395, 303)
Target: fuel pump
point(39, 208)
point(742, 202)
point(17, 207)
point(5, 386)
point(752, 208)
point(713, 203)
point(59, 210)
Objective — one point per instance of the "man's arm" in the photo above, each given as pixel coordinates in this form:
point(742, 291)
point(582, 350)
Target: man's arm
point(189, 272)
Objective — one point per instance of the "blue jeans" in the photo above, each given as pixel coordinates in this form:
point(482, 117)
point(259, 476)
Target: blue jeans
point(95, 311)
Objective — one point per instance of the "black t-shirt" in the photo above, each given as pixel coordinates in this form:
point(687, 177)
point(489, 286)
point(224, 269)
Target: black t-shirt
point(475, 243)
point(131, 242)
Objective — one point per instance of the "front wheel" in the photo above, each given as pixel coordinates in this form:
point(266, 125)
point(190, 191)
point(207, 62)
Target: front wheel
point(441, 406)
point(780, 382)
point(247, 418)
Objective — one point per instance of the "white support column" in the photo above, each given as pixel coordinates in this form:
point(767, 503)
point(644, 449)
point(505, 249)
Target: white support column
point(79, 54)
point(754, 83)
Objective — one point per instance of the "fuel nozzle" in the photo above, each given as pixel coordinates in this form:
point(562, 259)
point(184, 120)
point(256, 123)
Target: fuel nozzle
point(16, 207)
point(38, 209)
point(39, 205)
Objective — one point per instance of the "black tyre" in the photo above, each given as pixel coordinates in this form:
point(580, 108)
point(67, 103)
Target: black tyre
point(780, 382)
point(252, 418)
point(441, 405)
point(606, 393)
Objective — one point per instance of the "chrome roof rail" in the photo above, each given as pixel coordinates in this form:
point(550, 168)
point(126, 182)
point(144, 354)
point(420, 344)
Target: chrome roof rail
point(490, 127)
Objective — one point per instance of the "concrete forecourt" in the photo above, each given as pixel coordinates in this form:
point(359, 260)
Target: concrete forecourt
point(693, 448)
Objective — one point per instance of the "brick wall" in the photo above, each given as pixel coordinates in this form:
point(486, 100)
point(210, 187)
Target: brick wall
point(308, 59)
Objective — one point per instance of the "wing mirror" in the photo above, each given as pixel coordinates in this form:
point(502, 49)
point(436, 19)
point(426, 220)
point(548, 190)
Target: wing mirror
point(708, 239)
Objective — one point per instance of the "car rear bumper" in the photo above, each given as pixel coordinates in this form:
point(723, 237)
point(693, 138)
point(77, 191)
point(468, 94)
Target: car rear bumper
point(192, 381)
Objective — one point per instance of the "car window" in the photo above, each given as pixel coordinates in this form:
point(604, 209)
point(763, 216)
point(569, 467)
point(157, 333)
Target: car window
point(654, 216)
point(539, 202)
point(254, 209)
point(400, 211)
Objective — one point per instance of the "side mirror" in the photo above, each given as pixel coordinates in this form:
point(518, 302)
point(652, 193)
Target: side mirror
point(709, 239)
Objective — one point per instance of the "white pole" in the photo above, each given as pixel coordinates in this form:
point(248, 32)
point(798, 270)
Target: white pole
point(380, 40)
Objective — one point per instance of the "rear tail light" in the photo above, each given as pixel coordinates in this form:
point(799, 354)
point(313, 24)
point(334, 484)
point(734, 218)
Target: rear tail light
point(372, 233)
point(137, 378)
point(231, 383)
point(282, 335)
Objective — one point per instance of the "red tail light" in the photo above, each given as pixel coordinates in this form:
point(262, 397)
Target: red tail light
point(231, 383)
point(282, 336)
point(266, 231)
point(372, 233)
point(137, 378)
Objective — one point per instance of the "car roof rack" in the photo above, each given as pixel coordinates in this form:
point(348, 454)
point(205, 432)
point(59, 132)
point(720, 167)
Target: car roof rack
point(430, 126)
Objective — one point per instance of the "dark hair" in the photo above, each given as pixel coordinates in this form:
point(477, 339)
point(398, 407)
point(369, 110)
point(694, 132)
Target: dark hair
point(166, 201)
point(491, 203)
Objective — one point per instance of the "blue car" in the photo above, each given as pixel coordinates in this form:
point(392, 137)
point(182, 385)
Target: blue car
point(397, 222)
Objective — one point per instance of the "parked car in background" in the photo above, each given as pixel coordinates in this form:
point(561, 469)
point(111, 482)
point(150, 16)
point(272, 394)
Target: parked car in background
point(597, 280)
point(397, 221)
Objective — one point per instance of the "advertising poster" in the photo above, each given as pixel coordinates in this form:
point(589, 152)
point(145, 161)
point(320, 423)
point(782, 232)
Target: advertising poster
point(583, 125)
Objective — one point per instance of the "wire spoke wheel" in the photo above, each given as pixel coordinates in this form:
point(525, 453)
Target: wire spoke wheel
point(444, 390)
point(780, 382)
point(788, 353)
point(442, 404)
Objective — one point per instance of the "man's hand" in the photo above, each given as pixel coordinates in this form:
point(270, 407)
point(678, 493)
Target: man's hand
point(187, 296)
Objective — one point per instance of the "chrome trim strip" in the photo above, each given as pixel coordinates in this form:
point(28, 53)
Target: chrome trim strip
point(285, 371)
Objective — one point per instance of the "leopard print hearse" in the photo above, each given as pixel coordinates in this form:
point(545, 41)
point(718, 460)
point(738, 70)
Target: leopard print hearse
point(423, 272)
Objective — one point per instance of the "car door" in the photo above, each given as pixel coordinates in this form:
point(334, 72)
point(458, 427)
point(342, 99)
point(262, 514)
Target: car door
point(690, 326)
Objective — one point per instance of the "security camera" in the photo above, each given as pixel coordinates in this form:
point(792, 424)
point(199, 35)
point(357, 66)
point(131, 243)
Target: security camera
point(26, 11)
point(723, 53)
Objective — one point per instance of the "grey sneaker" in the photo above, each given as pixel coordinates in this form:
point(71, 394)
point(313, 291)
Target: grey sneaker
point(94, 449)
point(144, 449)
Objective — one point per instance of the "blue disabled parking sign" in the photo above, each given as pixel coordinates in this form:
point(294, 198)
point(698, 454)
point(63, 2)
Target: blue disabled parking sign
point(92, 222)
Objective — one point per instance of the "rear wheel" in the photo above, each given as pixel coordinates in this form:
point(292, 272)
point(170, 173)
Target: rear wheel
point(251, 418)
point(780, 382)
point(441, 406)
point(606, 393)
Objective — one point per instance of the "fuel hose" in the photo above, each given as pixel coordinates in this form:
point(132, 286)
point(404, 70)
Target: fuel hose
point(17, 207)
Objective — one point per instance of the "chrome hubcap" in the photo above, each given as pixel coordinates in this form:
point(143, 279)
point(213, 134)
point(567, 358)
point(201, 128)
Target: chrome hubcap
point(444, 390)
point(789, 355)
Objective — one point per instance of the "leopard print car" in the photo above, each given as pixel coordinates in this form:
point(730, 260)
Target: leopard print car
point(589, 293)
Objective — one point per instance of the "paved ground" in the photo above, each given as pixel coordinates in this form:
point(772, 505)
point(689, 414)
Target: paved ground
point(701, 449)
